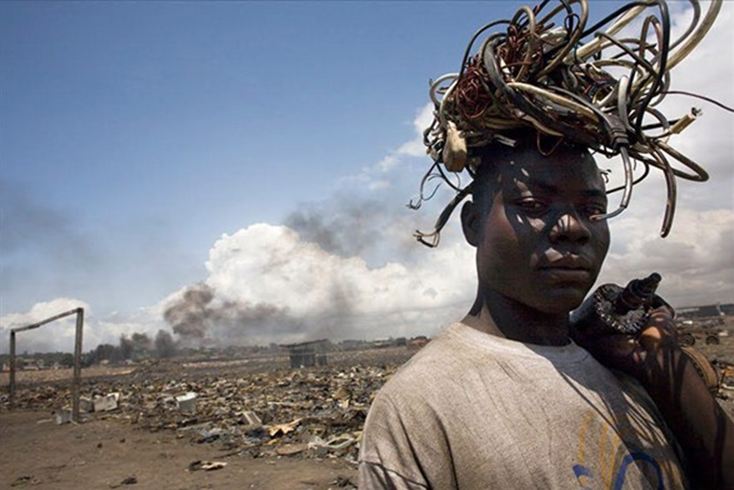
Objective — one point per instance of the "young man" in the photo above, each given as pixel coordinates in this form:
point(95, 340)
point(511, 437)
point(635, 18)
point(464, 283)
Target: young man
point(505, 399)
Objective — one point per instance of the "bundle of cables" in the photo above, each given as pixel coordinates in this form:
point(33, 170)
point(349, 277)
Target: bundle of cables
point(586, 84)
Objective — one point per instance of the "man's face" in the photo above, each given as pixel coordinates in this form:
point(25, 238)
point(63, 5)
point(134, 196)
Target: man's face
point(536, 242)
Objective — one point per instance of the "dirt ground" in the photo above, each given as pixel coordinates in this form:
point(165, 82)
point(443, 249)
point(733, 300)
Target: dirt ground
point(37, 453)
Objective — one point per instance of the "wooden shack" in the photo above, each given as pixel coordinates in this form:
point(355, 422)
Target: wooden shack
point(308, 354)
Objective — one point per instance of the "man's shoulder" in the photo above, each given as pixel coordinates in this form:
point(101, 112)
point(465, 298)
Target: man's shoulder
point(404, 444)
point(424, 364)
point(433, 371)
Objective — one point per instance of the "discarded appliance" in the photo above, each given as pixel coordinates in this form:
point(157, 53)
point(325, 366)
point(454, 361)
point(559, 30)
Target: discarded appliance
point(187, 402)
point(106, 403)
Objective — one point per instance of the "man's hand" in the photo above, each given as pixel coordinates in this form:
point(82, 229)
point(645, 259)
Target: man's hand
point(636, 356)
point(654, 358)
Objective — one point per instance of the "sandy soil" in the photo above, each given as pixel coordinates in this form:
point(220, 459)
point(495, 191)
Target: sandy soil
point(37, 453)
point(49, 375)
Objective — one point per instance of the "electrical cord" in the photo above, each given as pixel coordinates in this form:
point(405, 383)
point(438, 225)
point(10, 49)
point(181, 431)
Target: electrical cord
point(564, 79)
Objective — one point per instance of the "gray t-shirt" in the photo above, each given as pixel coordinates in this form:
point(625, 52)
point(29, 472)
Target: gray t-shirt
point(473, 410)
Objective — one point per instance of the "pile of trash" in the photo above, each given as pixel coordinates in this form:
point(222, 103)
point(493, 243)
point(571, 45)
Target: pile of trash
point(317, 412)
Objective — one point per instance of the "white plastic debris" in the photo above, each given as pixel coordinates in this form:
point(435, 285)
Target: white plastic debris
point(106, 403)
point(251, 418)
point(187, 402)
point(62, 416)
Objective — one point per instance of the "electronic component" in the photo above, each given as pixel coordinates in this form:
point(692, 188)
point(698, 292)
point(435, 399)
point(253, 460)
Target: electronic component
point(612, 308)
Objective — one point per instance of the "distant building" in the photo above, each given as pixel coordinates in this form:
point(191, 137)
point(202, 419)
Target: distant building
point(382, 343)
point(705, 311)
point(351, 344)
point(308, 354)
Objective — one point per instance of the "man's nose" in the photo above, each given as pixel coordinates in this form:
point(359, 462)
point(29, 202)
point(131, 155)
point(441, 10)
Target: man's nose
point(570, 227)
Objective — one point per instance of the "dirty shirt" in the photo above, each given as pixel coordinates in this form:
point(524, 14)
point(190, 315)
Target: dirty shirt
point(472, 410)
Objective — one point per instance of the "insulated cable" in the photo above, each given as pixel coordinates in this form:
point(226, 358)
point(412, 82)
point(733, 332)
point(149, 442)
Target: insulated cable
point(546, 70)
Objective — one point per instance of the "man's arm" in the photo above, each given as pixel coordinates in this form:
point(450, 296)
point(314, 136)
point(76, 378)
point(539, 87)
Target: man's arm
point(387, 457)
point(702, 428)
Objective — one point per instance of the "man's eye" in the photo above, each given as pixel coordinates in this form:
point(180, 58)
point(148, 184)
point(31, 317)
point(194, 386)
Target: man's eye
point(532, 205)
point(593, 209)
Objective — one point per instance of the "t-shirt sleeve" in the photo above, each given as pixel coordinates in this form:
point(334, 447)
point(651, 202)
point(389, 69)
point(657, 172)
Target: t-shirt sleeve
point(376, 476)
point(401, 447)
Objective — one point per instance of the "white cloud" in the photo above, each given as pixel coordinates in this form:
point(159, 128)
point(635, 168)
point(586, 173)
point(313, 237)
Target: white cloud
point(59, 335)
point(47, 337)
point(266, 264)
point(696, 262)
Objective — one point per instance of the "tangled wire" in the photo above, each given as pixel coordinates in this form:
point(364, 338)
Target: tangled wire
point(560, 80)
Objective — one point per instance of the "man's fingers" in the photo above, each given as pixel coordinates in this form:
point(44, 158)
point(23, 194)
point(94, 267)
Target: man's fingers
point(659, 303)
point(660, 327)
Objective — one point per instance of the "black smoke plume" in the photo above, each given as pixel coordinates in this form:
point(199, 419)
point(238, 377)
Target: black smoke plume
point(165, 346)
point(349, 226)
point(198, 316)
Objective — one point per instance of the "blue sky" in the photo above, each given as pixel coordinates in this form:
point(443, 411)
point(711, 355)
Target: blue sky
point(133, 135)
point(152, 128)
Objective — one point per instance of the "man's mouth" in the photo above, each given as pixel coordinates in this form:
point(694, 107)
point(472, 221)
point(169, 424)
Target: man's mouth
point(572, 262)
point(568, 269)
point(565, 274)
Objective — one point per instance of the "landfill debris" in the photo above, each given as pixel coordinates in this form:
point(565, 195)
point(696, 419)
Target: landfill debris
point(206, 465)
point(187, 402)
point(315, 412)
point(290, 449)
point(86, 405)
point(106, 403)
point(24, 480)
point(340, 442)
point(283, 429)
point(251, 418)
point(130, 480)
point(62, 416)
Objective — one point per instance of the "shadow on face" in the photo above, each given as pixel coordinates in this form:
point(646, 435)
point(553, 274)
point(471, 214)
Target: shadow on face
point(531, 222)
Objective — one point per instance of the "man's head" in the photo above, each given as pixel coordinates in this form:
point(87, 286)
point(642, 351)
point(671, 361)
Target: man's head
point(530, 220)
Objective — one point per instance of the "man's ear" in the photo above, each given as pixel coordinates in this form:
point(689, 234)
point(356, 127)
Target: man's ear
point(470, 223)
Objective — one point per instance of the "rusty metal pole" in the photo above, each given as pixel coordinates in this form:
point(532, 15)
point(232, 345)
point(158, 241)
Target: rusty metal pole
point(12, 370)
point(77, 364)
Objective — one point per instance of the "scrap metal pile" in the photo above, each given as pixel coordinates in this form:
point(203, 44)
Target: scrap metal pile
point(549, 70)
point(313, 413)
